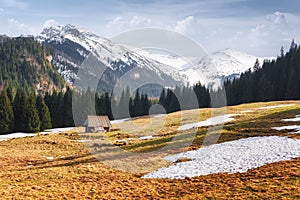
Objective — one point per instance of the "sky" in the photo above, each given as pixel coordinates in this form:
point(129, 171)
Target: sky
point(257, 27)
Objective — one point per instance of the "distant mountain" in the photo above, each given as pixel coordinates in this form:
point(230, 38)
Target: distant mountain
point(223, 65)
point(26, 64)
point(212, 69)
point(70, 46)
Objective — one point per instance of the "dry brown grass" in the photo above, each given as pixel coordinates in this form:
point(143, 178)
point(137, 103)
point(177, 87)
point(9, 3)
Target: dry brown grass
point(28, 172)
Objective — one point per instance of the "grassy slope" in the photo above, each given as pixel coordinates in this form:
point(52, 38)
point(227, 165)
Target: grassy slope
point(74, 173)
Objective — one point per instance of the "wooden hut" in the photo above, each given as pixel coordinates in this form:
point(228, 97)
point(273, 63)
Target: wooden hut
point(97, 124)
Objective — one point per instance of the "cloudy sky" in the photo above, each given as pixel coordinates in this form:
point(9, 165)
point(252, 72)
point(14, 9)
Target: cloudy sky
point(258, 27)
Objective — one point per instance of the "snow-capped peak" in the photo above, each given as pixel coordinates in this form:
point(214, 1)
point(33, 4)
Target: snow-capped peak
point(118, 58)
point(221, 65)
point(210, 70)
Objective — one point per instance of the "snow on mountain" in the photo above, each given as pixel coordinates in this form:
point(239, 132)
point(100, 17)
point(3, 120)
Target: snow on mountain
point(220, 66)
point(73, 45)
point(174, 61)
point(212, 69)
point(79, 43)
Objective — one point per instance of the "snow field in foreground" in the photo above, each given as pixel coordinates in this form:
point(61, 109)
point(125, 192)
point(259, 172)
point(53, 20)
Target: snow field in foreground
point(230, 157)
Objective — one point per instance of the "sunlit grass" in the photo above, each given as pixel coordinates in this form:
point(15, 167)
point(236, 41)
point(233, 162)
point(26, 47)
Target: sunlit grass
point(56, 166)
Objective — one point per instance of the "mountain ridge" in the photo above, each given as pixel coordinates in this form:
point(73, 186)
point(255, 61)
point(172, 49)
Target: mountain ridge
point(72, 45)
point(118, 59)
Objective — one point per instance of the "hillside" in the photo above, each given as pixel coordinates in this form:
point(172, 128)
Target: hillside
point(61, 166)
point(28, 65)
point(275, 80)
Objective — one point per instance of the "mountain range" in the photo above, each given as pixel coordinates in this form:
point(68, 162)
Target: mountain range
point(71, 45)
point(82, 58)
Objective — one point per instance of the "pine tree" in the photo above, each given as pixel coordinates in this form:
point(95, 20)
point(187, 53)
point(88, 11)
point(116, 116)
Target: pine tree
point(44, 113)
point(31, 118)
point(282, 52)
point(137, 106)
point(67, 109)
point(162, 97)
point(256, 65)
point(6, 114)
point(18, 108)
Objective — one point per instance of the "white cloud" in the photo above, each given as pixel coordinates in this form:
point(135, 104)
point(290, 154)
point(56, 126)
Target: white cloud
point(115, 21)
point(15, 4)
point(49, 23)
point(275, 28)
point(184, 26)
point(120, 24)
point(15, 28)
point(277, 18)
point(139, 21)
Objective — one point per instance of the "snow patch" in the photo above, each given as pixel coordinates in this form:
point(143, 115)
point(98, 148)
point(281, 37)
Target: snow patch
point(230, 157)
point(16, 135)
point(272, 107)
point(119, 121)
point(209, 122)
point(147, 137)
point(57, 130)
point(83, 141)
point(48, 157)
point(296, 119)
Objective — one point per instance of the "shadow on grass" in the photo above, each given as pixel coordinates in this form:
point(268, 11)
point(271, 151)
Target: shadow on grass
point(254, 127)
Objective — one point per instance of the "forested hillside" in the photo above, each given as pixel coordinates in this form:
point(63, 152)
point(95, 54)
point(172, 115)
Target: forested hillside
point(26, 64)
point(276, 80)
point(32, 98)
point(273, 81)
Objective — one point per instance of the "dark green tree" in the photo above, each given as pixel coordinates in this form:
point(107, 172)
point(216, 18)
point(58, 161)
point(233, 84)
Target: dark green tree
point(31, 120)
point(6, 114)
point(67, 109)
point(44, 114)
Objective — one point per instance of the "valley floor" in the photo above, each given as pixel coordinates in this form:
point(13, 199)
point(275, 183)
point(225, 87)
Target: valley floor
point(61, 166)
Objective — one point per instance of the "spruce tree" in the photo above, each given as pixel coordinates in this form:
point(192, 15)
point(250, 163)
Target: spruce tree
point(44, 113)
point(6, 114)
point(18, 108)
point(67, 109)
point(31, 121)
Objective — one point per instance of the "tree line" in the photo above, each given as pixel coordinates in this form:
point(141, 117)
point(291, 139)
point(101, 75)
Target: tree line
point(25, 111)
point(274, 81)
point(28, 112)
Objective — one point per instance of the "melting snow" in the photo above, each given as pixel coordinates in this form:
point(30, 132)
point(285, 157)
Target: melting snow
point(209, 122)
point(57, 130)
point(147, 137)
point(83, 141)
point(271, 107)
point(48, 157)
point(15, 135)
point(296, 119)
point(119, 121)
point(21, 135)
point(291, 127)
point(230, 157)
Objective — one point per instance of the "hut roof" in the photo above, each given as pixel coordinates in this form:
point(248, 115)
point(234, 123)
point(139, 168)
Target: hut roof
point(98, 121)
